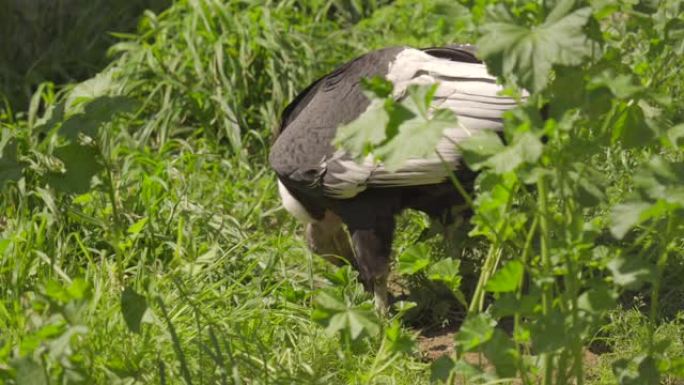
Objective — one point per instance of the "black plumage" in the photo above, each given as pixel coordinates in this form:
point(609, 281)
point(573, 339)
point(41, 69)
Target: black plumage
point(326, 188)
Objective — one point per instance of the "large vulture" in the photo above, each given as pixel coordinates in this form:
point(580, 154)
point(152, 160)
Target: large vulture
point(326, 188)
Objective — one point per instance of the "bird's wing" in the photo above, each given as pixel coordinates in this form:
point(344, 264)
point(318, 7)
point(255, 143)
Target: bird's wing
point(464, 88)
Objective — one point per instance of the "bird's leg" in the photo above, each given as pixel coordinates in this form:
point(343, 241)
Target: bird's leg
point(328, 239)
point(372, 249)
point(380, 293)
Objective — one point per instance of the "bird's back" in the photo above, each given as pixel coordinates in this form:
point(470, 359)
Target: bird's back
point(310, 122)
point(306, 161)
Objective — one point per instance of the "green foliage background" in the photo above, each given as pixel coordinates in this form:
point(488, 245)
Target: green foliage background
point(141, 238)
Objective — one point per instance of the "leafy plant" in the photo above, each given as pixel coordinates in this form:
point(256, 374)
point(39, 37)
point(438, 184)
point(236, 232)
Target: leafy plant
point(141, 238)
point(541, 197)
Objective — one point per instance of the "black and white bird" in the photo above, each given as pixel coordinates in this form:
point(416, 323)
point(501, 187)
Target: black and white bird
point(326, 188)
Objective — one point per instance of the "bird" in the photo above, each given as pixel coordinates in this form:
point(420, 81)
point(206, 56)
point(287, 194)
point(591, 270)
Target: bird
point(348, 205)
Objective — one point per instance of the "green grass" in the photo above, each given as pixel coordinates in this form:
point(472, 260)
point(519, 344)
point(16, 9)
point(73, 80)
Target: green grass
point(177, 264)
point(59, 41)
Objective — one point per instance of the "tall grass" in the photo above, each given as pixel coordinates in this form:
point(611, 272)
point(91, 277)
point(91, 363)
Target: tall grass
point(59, 40)
point(177, 264)
point(227, 69)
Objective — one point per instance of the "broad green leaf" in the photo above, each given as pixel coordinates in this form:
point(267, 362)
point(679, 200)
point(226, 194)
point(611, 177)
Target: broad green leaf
point(625, 216)
point(641, 370)
point(676, 135)
point(4, 245)
point(62, 345)
point(330, 301)
point(548, 333)
point(526, 148)
point(662, 180)
point(589, 184)
point(447, 271)
point(399, 341)
point(647, 6)
point(402, 307)
point(416, 137)
point(475, 331)
point(623, 86)
point(529, 53)
point(673, 366)
point(674, 31)
point(507, 305)
point(337, 316)
point(79, 289)
point(97, 112)
point(32, 341)
point(99, 85)
point(28, 371)
point(133, 307)
point(10, 167)
point(568, 89)
point(138, 226)
point(79, 123)
point(631, 272)
point(54, 115)
point(631, 127)
point(358, 137)
point(378, 86)
point(54, 289)
point(506, 279)
point(597, 299)
point(81, 164)
point(477, 149)
point(104, 108)
point(397, 131)
point(415, 259)
point(501, 351)
point(440, 369)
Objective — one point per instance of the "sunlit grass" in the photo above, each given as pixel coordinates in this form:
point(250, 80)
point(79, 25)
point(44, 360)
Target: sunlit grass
point(224, 279)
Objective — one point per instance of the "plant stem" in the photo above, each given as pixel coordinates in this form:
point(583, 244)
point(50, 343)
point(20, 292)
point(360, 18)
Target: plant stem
point(655, 293)
point(547, 289)
point(488, 268)
point(518, 295)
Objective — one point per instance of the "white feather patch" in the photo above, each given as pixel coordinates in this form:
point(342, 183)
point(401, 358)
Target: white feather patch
point(293, 206)
point(464, 88)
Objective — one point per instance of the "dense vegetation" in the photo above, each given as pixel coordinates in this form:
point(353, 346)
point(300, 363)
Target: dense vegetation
point(142, 241)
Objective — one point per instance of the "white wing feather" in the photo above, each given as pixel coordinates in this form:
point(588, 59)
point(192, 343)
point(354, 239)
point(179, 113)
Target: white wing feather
point(464, 88)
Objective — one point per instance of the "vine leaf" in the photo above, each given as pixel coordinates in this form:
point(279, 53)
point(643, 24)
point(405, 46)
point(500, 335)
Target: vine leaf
point(10, 167)
point(529, 53)
point(97, 112)
point(627, 215)
point(81, 163)
point(486, 150)
point(414, 260)
point(418, 136)
point(133, 307)
point(507, 279)
point(28, 371)
point(337, 316)
point(475, 331)
point(631, 272)
point(358, 136)
point(631, 128)
point(397, 131)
